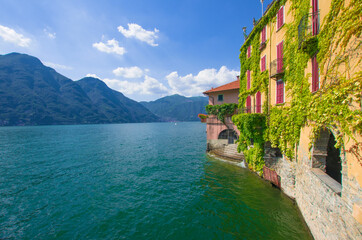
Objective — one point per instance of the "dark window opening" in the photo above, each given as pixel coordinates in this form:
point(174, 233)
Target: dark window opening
point(220, 98)
point(333, 160)
point(228, 134)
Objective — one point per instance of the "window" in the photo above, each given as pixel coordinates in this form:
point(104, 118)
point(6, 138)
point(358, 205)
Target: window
point(263, 35)
point(280, 17)
point(249, 51)
point(315, 17)
point(280, 91)
point(315, 74)
point(220, 97)
point(248, 104)
point(258, 102)
point(280, 57)
point(248, 84)
point(263, 63)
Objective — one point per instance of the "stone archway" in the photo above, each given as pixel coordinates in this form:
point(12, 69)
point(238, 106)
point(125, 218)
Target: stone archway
point(228, 134)
point(326, 156)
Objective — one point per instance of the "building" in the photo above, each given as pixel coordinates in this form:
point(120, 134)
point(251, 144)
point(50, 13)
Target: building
point(292, 73)
point(222, 133)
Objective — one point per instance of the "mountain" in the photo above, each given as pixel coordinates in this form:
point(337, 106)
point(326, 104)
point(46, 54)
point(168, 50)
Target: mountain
point(33, 94)
point(177, 107)
point(114, 105)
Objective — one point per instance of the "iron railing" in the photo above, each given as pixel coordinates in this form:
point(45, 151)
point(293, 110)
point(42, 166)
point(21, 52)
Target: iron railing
point(276, 67)
point(253, 109)
point(262, 45)
point(308, 26)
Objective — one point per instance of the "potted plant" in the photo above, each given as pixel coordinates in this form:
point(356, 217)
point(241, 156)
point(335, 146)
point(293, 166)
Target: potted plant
point(202, 117)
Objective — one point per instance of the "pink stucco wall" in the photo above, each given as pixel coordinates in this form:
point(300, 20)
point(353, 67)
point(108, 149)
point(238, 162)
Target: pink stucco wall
point(214, 127)
point(230, 96)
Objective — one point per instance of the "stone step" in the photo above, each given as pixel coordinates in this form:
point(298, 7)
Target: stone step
point(229, 151)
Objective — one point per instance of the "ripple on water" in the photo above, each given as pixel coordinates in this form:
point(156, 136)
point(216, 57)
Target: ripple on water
point(132, 181)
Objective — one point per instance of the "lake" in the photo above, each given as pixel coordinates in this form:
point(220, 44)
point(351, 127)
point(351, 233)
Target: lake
point(132, 181)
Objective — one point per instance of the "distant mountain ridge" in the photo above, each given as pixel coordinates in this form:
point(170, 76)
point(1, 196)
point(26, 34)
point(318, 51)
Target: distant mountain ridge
point(33, 94)
point(177, 107)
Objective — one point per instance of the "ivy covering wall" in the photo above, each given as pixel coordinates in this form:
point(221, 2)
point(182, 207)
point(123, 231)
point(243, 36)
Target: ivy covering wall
point(336, 105)
point(221, 111)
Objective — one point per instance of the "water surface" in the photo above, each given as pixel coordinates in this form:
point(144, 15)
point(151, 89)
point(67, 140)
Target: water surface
point(132, 181)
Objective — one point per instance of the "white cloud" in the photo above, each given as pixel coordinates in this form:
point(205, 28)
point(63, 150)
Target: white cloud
point(148, 87)
point(190, 85)
point(112, 46)
point(131, 72)
point(57, 66)
point(9, 35)
point(92, 75)
point(136, 31)
point(49, 34)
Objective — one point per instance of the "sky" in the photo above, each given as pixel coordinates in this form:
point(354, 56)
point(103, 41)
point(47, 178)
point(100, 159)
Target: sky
point(145, 49)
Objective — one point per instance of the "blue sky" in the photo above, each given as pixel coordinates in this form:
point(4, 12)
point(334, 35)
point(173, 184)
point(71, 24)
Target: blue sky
point(144, 48)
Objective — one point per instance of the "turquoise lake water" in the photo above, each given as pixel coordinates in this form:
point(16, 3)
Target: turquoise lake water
point(132, 181)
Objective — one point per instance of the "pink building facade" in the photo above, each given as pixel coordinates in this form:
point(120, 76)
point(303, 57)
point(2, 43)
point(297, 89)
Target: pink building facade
point(221, 134)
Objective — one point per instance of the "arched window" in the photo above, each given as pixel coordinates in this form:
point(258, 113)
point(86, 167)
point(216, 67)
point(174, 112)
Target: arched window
point(228, 134)
point(326, 156)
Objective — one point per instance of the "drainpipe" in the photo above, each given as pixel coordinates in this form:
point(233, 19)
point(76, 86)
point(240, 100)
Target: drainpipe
point(269, 90)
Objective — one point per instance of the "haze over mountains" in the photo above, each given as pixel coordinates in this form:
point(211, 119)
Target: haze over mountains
point(33, 94)
point(177, 107)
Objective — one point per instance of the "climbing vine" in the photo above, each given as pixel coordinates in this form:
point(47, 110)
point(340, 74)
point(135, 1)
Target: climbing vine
point(251, 140)
point(336, 105)
point(222, 111)
point(253, 126)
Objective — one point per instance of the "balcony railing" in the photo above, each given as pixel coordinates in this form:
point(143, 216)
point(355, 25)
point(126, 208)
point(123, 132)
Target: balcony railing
point(262, 45)
point(276, 67)
point(253, 109)
point(308, 27)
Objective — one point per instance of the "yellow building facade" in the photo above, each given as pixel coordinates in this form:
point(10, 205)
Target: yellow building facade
point(301, 73)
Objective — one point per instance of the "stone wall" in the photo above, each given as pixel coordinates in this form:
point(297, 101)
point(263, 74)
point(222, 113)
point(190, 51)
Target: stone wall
point(325, 206)
point(330, 209)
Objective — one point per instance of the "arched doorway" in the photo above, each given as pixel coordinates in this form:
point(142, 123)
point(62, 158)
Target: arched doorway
point(228, 134)
point(326, 156)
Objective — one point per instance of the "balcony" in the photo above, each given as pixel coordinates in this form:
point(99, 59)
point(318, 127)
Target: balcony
point(262, 45)
point(253, 109)
point(307, 28)
point(276, 68)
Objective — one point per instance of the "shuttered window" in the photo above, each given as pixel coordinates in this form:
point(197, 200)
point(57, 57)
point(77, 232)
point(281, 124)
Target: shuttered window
point(280, 91)
point(315, 74)
point(315, 20)
point(249, 51)
point(248, 104)
point(248, 80)
point(258, 102)
point(263, 35)
point(280, 57)
point(263, 63)
point(280, 17)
